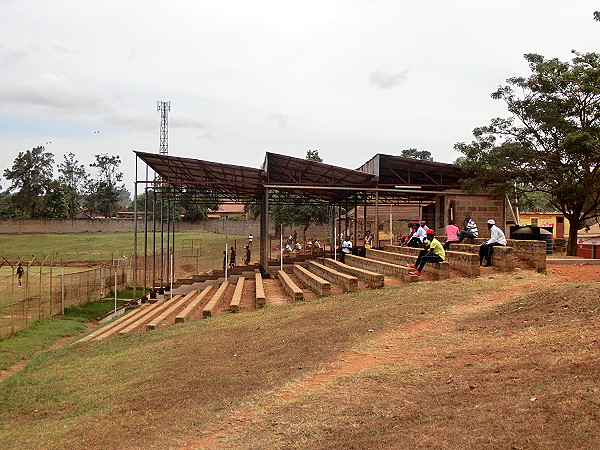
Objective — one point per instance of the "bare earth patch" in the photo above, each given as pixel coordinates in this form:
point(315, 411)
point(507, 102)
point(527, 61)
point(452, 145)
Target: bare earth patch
point(449, 371)
point(512, 368)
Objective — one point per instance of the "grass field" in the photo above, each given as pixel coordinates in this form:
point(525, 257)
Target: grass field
point(95, 247)
point(44, 332)
point(502, 361)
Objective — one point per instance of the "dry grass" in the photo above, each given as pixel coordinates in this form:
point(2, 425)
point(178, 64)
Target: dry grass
point(448, 365)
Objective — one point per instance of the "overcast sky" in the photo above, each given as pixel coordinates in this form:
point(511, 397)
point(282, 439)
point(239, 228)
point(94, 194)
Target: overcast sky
point(348, 78)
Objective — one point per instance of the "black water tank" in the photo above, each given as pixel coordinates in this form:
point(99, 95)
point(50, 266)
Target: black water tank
point(531, 232)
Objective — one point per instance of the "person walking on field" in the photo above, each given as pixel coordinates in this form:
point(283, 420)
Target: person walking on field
point(451, 234)
point(435, 253)
point(497, 238)
point(470, 230)
point(20, 272)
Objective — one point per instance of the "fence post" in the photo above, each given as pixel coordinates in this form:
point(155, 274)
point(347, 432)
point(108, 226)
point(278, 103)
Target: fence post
point(115, 269)
point(62, 291)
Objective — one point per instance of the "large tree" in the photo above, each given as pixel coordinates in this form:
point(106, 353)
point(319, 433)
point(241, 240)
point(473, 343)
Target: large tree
point(550, 144)
point(286, 209)
point(30, 177)
point(105, 191)
point(73, 179)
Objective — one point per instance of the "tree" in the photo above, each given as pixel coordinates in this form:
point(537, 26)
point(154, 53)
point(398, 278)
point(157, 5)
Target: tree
point(296, 209)
point(550, 144)
point(73, 179)
point(56, 201)
point(313, 155)
point(30, 176)
point(413, 153)
point(104, 192)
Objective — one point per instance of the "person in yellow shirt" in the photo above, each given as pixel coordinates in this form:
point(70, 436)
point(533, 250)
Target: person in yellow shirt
point(435, 253)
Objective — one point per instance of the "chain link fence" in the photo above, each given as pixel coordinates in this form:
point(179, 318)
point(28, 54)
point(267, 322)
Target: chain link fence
point(44, 289)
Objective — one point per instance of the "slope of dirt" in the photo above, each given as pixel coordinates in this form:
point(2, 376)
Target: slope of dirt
point(491, 371)
point(282, 422)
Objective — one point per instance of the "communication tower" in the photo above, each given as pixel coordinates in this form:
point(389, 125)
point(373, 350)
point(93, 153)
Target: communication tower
point(164, 108)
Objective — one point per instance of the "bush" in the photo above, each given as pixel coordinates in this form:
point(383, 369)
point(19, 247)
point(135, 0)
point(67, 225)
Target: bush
point(560, 242)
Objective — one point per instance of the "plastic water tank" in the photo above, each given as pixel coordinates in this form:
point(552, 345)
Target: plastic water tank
point(531, 232)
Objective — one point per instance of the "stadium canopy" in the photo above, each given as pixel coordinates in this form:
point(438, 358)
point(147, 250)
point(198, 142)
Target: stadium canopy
point(384, 179)
point(392, 178)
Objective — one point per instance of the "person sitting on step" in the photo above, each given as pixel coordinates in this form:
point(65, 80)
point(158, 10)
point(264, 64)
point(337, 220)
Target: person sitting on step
point(497, 238)
point(435, 253)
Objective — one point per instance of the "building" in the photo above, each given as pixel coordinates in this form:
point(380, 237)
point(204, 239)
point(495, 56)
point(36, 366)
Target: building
point(554, 220)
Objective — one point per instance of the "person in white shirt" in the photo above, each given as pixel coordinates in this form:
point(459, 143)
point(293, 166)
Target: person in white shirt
point(346, 248)
point(418, 237)
point(497, 238)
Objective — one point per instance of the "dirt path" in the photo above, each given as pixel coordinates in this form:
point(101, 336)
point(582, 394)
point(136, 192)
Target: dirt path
point(57, 344)
point(387, 349)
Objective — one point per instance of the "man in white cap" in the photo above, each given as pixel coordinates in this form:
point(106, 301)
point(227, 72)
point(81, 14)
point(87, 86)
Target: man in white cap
point(497, 238)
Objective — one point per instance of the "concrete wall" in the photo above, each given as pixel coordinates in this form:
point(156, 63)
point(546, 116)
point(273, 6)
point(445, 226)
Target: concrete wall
point(233, 227)
point(480, 208)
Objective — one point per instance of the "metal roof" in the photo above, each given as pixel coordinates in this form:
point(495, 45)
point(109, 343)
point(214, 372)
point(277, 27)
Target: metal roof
point(296, 180)
point(187, 175)
point(398, 171)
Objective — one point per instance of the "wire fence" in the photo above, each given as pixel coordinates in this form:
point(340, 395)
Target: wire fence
point(42, 291)
point(50, 283)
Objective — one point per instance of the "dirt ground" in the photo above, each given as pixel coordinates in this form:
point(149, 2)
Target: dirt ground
point(386, 351)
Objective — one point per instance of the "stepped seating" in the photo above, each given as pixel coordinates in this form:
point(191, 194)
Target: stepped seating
point(439, 270)
point(210, 307)
point(290, 288)
point(348, 282)
point(234, 305)
point(372, 279)
point(153, 324)
point(467, 263)
point(185, 313)
point(386, 268)
point(503, 257)
point(314, 282)
point(259, 295)
point(317, 275)
point(114, 324)
point(531, 252)
point(151, 313)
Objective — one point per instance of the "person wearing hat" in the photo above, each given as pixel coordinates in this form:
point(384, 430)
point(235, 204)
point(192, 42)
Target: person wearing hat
point(497, 238)
point(435, 253)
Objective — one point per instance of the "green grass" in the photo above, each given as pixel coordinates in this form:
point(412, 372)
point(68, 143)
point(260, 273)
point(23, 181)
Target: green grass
point(95, 247)
point(43, 332)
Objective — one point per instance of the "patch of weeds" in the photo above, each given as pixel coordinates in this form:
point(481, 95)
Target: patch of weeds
point(43, 332)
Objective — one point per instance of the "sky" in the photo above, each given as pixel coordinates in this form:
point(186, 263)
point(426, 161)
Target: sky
point(348, 78)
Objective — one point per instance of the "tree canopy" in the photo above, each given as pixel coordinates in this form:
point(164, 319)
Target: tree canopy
point(34, 193)
point(299, 210)
point(30, 177)
point(413, 153)
point(551, 141)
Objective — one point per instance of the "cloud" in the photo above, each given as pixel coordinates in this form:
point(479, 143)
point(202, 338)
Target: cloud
point(14, 57)
point(180, 120)
point(280, 119)
point(48, 90)
point(132, 121)
point(384, 80)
